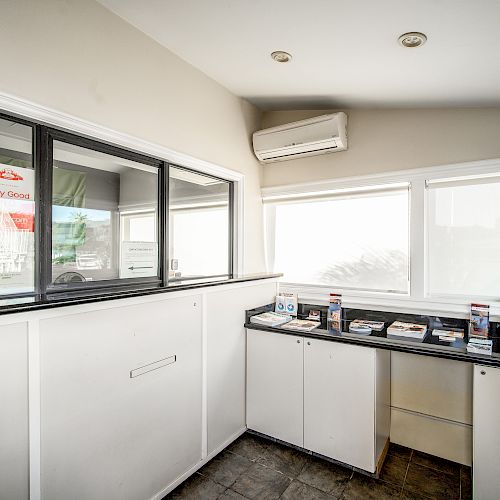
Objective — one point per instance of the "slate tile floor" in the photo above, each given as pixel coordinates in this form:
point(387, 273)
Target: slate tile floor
point(255, 468)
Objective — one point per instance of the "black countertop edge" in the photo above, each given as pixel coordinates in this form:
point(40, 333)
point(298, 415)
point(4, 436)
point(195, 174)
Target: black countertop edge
point(388, 344)
point(123, 294)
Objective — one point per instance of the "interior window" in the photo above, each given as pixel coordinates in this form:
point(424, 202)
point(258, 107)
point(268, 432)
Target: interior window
point(103, 216)
point(351, 240)
point(464, 237)
point(17, 208)
point(199, 225)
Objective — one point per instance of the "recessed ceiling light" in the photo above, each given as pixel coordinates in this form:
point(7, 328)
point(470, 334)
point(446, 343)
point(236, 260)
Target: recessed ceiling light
point(281, 56)
point(412, 39)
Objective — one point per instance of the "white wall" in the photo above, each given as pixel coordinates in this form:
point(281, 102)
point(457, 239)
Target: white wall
point(77, 57)
point(394, 139)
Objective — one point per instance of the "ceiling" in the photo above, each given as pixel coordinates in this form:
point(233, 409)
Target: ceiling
point(345, 53)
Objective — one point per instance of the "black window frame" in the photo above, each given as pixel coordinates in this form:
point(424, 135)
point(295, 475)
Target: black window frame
point(231, 223)
point(43, 136)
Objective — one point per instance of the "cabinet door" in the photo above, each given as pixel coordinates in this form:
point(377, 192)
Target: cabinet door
point(339, 402)
point(486, 415)
point(275, 385)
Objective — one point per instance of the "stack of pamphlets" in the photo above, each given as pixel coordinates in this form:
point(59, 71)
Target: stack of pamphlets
point(360, 328)
point(378, 326)
point(407, 331)
point(314, 315)
point(335, 313)
point(287, 303)
point(448, 334)
point(301, 325)
point(270, 319)
point(480, 346)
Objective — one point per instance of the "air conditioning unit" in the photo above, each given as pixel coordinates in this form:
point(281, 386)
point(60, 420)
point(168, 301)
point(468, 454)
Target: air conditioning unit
point(315, 136)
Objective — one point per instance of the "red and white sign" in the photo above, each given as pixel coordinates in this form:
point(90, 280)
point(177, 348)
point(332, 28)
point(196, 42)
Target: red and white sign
point(16, 183)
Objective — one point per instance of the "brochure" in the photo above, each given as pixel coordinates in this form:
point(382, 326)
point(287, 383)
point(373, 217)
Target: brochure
point(373, 325)
point(280, 304)
point(270, 319)
point(480, 346)
point(456, 333)
point(360, 328)
point(301, 325)
point(287, 303)
point(479, 320)
point(314, 315)
point(335, 312)
point(408, 330)
point(447, 338)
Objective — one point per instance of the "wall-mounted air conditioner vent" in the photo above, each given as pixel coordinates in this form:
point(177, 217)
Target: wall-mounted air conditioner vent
point(320, 135)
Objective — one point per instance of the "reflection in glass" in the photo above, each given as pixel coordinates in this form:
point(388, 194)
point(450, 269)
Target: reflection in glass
point(103, 216)
point(17, 208)
point(353, 241)
point(199, 225)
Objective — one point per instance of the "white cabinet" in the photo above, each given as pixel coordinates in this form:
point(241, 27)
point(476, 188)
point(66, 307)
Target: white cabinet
point(486, 415)
point(340, 402)
point(327, 397)
point(275, 385)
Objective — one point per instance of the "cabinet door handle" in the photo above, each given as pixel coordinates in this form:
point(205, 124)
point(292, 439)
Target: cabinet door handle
point(298, 341)
point(483, 372)
point(309, 343)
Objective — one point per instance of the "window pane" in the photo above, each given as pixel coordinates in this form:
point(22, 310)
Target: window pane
point(464, 239)
point(358, 242)
point(103, 216)
point(17, 208)
point(199, 224)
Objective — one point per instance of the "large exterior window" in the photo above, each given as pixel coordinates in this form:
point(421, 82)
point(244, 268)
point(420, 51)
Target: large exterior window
point(464, 237)
point(97, 233)
point(200, 225)
point(17, 209)
point(352, 240)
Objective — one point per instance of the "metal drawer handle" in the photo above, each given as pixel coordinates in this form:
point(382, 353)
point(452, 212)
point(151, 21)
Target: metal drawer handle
point(152, 366)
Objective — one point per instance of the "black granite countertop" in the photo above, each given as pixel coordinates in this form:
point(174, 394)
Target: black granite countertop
point(430, 346)
point(69, 298)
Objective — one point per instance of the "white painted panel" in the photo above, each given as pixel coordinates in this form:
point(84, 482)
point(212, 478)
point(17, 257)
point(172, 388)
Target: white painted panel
point(486, 439)
point(439, 437)
point(339, 402)
point(105, 434)
point(433, 386)
point(275, 385)
point(383, 400)
point(14, 412)
point(226, 353)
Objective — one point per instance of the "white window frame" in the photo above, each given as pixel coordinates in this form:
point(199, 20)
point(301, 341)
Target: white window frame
point(418, 300)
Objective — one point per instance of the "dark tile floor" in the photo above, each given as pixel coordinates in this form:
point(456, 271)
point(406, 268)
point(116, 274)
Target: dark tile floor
point(255, 468)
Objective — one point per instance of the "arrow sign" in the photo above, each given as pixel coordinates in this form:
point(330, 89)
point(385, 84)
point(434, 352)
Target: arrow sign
point(143, 267)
